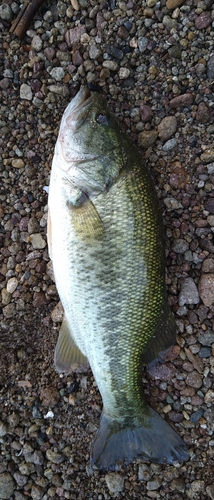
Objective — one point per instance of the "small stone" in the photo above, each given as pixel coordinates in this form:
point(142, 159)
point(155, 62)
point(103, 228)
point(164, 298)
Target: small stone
point(39, 299)
point(3, 429)
point(33, 225)
point(94, 51)
point(54, 457)
point(170, 144)
point(206, 289)
point(194, 379)
point(75, 4)
point(167, 127)
point(12, 285)
point(203, 20)
point(153, 485)
point(151, 3)
point(202, 113)
point(49, 53)
point(26, 92)
point(206, 338)
point(49, 396)
point(18, 163)
point(37, 241)
point(147, 138)
point(182, 100)
point(142, 43)
point(189, 292)
point(73, 35)
point(208, 266)
point(209, 205)
point(123, 32)
point(171, 203)
point(7, 485)
point(5, 297)
point(57, 73)
point(111, 65)
point(36, 43)
point(207, 156)
point(5, 12)
point(37, 492)
point(9, 311)
point(172, 4)
point(57, 313)
point(180, 246)
point(144, 473)
point(124, 73)
point(210, 67)
point(146, 113)
point(114, 482)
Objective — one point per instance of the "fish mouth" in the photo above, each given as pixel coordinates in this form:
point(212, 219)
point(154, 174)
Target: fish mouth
point(79, 108)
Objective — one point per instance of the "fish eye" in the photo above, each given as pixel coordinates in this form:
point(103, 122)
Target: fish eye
point(102, 118)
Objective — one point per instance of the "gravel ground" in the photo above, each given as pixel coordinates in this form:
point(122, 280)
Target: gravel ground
point(154, 62)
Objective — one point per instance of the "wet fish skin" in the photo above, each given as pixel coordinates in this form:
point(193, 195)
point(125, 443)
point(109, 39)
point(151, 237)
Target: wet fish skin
point(106, 241)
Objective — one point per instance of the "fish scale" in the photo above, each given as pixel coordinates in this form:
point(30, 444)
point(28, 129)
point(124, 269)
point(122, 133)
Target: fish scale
point(107, 246)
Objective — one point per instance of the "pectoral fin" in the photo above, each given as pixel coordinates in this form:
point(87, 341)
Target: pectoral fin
point(68, 356)
point(86, 220)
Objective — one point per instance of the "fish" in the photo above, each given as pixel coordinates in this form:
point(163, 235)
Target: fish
point(107, 245)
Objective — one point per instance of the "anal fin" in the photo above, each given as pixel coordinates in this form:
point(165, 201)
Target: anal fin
point(67, 356)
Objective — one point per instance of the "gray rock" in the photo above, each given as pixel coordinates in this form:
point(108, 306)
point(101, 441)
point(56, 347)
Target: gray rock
point(5, 12)
point(180, 246)
point(26, 92)
point(206, 289)
point(189, 292)
point(7, 485)
point(3, 429)
point(142, 43)
point(57, 73)
point(114, 482)
point(169, 145)
point(144, 473)
point(167, 127)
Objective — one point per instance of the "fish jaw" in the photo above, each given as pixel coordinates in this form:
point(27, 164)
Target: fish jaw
point(148, 437)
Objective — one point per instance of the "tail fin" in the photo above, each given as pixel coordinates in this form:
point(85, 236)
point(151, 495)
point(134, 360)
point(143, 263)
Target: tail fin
point(149, 438)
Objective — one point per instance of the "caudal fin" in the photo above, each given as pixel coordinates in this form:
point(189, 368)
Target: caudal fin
point(151, 438)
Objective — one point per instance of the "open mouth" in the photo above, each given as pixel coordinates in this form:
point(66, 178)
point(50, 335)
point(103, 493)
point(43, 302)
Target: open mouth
point(78, 109)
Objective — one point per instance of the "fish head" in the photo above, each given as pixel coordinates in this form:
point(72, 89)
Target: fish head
point(91, 148)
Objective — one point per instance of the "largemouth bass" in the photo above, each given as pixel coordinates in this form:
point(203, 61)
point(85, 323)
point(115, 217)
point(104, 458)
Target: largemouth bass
point(106, 242)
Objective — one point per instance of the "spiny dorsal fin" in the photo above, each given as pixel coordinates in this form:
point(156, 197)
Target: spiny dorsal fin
point(68, 356)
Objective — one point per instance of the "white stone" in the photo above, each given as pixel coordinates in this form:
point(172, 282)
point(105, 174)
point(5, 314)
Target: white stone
point(26, 92)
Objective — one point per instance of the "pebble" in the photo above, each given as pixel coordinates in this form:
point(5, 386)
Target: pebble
point(57, 73)
point(203, 20)
point(3, 429)
point(180, 246)
point(73, 35)
point(36, 43)
point(189, 292)
point(58, 313)
point(114, 482)
point(49, 396)
point(5, 12)
point(142, 43)
point(18, 163)
point(144, 473)
point(194, 379)
point(146, 113)
point(124, 73)
point(170, 144)
point(111, 65)
point(37, 241)
point(147, 138)
point(26, 92)
point(172, 4)
point(182, 100)
point(7, 485)
point(167, 127)
point(54, 457)
point(210, 66)
point(206, 289)
point(202, 113)
point(12, 285)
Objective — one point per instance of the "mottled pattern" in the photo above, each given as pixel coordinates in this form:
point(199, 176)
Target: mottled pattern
point(108, 258)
